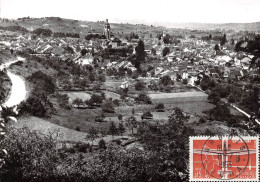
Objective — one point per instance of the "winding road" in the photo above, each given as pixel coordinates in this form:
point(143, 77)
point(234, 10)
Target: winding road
point(18, 89)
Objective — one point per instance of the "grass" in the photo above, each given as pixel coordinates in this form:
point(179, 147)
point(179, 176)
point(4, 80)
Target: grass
point(46, 127)
point(81, 118)
point(74, 94)
point(192, 102)
point(218, 127)
point(29, 67)
point(111, 95)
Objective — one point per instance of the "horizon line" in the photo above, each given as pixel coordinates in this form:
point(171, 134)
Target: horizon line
point(134, 21)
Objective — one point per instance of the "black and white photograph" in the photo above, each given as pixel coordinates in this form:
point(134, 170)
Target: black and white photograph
point(129, 91)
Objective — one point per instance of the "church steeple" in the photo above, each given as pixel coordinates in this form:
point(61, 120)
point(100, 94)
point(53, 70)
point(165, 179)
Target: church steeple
point(107, 29)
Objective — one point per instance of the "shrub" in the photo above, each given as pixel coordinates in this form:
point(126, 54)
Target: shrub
point(102, 144)
point(143, 97)
point(147, 115)
point(185, 81)
point(33, 106)
point(116, 102)
point(108, 106)
point(160, 107)
point(31, 156)
point(139, 85)
point(82, 147)
point(202, 120)
point(166, 51)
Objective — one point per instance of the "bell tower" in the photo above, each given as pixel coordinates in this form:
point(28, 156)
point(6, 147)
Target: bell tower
point(107, 29)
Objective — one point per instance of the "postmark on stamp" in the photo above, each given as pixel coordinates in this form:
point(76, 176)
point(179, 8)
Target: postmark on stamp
point(232, 158)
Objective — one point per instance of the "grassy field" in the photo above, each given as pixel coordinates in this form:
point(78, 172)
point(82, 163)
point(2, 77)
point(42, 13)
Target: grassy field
point(46, 127)
point(112, 95)
point(74, 94)
point(191, 102)
point(178, 95)
point(63, 134)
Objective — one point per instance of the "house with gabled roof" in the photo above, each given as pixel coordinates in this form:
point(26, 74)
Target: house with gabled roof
point(158, 70)
point(200, 69)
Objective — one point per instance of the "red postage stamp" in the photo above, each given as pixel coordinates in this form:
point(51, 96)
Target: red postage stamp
point(232, 158)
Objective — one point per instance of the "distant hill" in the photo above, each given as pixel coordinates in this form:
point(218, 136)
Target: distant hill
point(254, 26)
point(57, 24)
point(142, 28)
point(208, 26)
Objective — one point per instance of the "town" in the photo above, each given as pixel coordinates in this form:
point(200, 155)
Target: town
point(97, 85)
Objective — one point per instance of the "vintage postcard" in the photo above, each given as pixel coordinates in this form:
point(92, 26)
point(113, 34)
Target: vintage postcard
point(116, 90)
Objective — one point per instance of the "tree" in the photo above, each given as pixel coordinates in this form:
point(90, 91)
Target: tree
point(185, 81)
point(165, 51)
point(113, 129)
point(166, 39)
point(92, 77)
point(100, 118)
point(120, 117)
point(250, 100)
point(92, 134)
point(232, 98)
point(139, 85)
point(147, 115)
point(102, 78)
point(214, 97)
point(223, 40)
point(178, 116)
point(31, 156)
point(166, 80)
point(42, 82)
point(102, 144)
point(210, 37)
point(121, 128)
point(216, 48)
point(153, 51)
point(160, 107)
point(83, 52)
point(143, 97)
point(33, 106)
point(43, 32)
point(108, 106)
point(131, 123)
point(78, 102)
point(142, 117)
point(221, 112)
point(63, 100)
point(140, 54)
point(96, 99)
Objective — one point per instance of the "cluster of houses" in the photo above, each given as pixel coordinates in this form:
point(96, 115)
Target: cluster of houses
point(186, 60)
point(192, 59)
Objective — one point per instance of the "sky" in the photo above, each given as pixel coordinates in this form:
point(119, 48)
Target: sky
point(147, 11)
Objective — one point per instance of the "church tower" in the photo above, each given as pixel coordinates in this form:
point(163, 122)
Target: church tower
point(107, 29)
